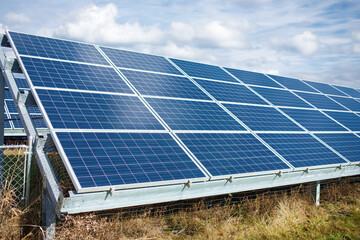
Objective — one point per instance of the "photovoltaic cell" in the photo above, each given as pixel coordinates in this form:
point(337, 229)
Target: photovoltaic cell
point(11, 106)
point(325, 88)
point(16, 120)
point(348, 119)
point(281, 97)
point(313, 120)
point(77, 110)
point(55, 48)
point(6, 122)
point(164, 85)
point(111, 159)
point(230, 92)
point(253, 78)
point(347, 144)
point(350, 103)
point(262, 118)
point(56, 74)
point(193, 115)
point(141, 61)
point(227, 154)
point(301, 150)
point(320, 101)
point(201, 70)
point(22, 83)
point(293, 84)
point(349, 91)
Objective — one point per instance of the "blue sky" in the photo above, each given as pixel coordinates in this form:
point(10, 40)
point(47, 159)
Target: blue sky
point(312, 40)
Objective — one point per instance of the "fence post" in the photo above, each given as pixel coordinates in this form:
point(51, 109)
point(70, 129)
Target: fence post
point(317, 194)
point(2, 98)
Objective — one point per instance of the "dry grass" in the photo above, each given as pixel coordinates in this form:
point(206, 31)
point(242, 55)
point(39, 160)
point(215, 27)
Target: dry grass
point(281, 216)
point(268, 216)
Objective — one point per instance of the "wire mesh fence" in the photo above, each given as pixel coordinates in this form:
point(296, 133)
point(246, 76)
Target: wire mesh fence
point(14, 166)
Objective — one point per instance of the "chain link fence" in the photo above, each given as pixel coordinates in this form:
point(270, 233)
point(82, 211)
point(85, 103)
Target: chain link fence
point(14, 171)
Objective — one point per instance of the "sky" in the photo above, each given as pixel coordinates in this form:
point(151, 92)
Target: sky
point(307, 39)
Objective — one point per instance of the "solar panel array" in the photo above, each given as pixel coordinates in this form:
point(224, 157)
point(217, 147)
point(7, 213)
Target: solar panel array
point(121, 118)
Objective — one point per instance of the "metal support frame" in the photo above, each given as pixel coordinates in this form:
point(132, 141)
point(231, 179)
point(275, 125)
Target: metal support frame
point(2, 98)
point(51, 190)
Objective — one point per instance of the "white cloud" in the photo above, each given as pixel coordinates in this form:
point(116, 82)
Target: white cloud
point(13, 17)
point(2, 28)
point(306, 43)
point(98, 24)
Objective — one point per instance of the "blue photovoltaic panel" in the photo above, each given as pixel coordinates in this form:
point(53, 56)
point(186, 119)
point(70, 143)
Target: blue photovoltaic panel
point(47, 73)
point(38, 121)
point(79, 110)
point(230, 92)
point(320, 101)
point(193, 115)
point(22, 83)
point(201, 70)
point(348, 119)
point(8, 94)
point(164, 85)
point(349, 91)
point(301, 150)
point(262, 118)
point(325, 88)
point(111, 159)
point(16, 120)
point(313, 120)
point(227, 154)
point(55, 48)
point(350, 103)
point(253, 78)
point(141, 61)
point(347, 144)
point(293, 84)
point(281, 97)
point(6, 122)
point(11, 106)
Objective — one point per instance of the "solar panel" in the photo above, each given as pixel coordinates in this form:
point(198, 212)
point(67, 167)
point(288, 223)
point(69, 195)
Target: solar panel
point(55, 48)
point(7, 95)
point(193, 115)
point(349, 91)
point(348, 119)
point(301, 150)
point(281, 97)
point(350, 103)
point(6, 123)
point(56, 74)
point(253, 78)
point(325, 88)
point(228, 154)
point(230, 92)
point(164, 85)
point(201, 70)
point(16, 120)
point(320, 101)
point(293, 84)
point(79, 110)
point(11, 106)
point(21, 83)
point(262, 118)
point(347, 144)
point(313, 120)
point(111, 159)
point(141, 61)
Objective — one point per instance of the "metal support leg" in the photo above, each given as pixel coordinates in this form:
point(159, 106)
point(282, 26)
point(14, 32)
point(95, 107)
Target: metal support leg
point(317, 194)
point(48, 215)
point(2, 97)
